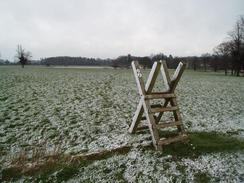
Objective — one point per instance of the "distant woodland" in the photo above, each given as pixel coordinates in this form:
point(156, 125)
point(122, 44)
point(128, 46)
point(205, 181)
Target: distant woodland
point(227, 56)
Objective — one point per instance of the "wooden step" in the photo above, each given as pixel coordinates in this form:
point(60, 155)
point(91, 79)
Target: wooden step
point(164, 109)
point(159, 95)
point(169, 124)
point(172, 139)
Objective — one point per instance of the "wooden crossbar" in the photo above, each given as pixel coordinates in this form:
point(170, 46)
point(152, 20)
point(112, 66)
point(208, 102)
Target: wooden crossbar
point(153, 113)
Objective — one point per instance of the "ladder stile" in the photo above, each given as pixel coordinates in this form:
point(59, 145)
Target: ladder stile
point(154, 112)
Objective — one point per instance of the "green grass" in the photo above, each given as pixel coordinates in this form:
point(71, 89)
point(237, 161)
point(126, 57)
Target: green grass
point(63, 173)
point(200, 143)
point(92, 108)
point(202, 177)
point(62, 166)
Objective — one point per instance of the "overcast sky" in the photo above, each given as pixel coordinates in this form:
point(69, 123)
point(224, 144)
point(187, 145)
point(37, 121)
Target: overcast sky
point(109, 28)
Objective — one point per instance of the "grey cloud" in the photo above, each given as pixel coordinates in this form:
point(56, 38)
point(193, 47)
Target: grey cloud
point(109, 28)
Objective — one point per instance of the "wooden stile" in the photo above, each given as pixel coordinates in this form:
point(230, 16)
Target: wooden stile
point(153, 113)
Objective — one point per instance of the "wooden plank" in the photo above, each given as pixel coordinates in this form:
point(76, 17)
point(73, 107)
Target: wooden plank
point(137, 117)
point(168, 124)
point(141, 87)
point(177, 115)
point(152, 76)
point(138, 77)
point(149, 86)
point(167, 141)
point(165, 73)
point(151, 124)
point(161, 113)
point(164, 109)
point(159, 95)
point(177, 75)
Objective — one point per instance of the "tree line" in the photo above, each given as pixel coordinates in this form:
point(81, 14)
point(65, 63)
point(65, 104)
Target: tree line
point(231, 52)
point(81, 61)
point(227, 56)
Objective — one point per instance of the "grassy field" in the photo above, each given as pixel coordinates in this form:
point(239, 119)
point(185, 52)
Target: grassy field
point(68, 111)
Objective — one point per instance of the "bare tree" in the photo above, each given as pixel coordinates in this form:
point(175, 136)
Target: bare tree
point(224, 52)
point(236, 45)
point(22, 56)
point(231, 52)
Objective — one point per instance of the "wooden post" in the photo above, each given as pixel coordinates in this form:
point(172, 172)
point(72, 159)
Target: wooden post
point(149, 86)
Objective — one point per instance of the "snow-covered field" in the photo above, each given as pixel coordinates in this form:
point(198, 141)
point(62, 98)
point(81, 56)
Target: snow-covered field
point(85, 110)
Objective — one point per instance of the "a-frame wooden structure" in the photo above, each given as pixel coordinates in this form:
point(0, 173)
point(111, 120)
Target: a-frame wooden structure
point(153, 113)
